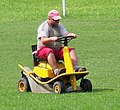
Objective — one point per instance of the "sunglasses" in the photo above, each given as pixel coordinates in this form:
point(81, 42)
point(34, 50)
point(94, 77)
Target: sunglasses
point(55, 20)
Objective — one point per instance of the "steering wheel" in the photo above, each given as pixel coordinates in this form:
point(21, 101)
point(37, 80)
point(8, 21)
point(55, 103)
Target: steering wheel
point(65, 39)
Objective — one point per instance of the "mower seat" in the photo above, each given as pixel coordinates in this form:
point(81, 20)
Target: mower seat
point(36, 59)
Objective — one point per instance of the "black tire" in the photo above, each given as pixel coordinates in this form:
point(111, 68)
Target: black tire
point(23, 85)
point(58, 87)
point(86, 85)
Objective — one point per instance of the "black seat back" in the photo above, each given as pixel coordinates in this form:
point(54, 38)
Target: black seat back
point(35, 59)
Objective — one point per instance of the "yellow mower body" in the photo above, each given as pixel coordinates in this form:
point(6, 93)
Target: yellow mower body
point(43, 80)
point(44, 70)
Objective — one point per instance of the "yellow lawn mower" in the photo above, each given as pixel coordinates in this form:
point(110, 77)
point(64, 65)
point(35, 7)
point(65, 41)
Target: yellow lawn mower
point(43, 80)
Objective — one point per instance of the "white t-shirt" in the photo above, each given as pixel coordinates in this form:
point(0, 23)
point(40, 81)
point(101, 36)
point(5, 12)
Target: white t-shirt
point(44, 30)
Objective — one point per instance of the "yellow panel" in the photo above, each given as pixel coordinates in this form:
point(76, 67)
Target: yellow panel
point(67, 60)
point(43, 72)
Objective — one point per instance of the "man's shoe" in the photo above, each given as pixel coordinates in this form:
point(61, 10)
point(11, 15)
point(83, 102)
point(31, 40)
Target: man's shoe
point(60, 71)
point(80, 69)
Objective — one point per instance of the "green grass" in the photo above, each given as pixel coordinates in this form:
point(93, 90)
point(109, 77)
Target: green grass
point(98, 27)
point(24, 10)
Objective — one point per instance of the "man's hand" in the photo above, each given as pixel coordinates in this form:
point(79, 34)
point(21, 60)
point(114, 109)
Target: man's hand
point(72, 34)
point(54, 38)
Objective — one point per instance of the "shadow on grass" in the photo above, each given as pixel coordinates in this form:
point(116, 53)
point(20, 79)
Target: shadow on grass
point(101, 90)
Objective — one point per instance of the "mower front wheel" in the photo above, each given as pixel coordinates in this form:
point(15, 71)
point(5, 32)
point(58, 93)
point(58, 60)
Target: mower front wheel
point(86, 85)
point(58, 87)
point(23, 85)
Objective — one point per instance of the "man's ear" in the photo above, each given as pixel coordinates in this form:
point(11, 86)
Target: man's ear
point(48, 18)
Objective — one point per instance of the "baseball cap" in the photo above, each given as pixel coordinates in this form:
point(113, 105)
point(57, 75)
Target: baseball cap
point(54, 14)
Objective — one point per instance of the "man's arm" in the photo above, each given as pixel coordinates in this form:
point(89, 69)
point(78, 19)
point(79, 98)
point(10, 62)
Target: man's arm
point(45, 40)
point(64, 32)
point(71, 34)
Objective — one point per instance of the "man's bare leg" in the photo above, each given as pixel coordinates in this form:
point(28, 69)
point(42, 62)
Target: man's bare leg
point(53, 63)
point(74, 58)
point(52, 60)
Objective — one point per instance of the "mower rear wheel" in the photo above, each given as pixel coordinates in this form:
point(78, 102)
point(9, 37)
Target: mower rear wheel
point(58, 87)
point(86, 85)
point(23, 85)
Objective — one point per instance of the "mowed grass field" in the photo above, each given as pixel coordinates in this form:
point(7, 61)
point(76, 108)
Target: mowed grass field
point(97, 24)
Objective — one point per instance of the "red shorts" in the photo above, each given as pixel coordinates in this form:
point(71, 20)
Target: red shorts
point(43, 52)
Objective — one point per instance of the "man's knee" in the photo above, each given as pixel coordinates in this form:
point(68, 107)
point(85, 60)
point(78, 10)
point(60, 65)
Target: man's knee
point(44, 52)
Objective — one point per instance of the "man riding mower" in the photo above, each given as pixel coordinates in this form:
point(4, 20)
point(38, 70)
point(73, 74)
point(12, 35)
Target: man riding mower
point(43, 80)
